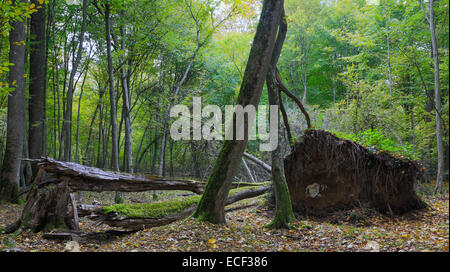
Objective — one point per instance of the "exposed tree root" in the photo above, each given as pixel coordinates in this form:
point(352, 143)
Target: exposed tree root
point(326, 173)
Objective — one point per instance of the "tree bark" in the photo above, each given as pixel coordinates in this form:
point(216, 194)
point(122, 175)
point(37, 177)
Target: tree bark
point(211, 205)
point(284, 214)
point(67, 122)
point(112, 98)
point(388, 43)
point(10, 179)
point(38, 83)
point(437, 93)
point(128, 148)
point(437, 97)
point(112, 92)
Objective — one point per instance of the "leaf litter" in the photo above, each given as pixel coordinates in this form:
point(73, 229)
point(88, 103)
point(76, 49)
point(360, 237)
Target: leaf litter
point(357, 230)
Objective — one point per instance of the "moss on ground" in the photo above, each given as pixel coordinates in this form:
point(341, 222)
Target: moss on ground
point(160, 209)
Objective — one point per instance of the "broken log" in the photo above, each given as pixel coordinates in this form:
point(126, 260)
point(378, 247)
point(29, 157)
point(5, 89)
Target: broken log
point(51, 192)
point(326, 173)
point(85, 178)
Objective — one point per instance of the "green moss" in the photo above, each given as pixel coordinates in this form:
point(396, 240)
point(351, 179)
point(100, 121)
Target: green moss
point(26, 220)
point(152, 210)
point(161, 209)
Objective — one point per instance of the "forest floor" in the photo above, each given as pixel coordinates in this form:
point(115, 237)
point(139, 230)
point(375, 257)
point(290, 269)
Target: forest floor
point(356, 230)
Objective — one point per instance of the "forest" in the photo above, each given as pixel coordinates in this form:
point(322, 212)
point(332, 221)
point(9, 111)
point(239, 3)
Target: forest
point(224, 125)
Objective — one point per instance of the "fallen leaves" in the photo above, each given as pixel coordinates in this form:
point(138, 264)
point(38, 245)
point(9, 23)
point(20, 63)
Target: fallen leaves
point(356, 230)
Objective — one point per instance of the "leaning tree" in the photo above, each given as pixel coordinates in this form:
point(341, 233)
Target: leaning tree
point(211, 206)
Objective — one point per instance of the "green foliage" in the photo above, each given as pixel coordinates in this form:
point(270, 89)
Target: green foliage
point(375, 141)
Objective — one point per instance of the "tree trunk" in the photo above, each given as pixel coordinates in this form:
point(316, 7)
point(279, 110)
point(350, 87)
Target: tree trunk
point(284, 214)
point(10, 179)
point(112, 98)
point(112, 93)
point(38, 83)
point(77, 143)
point(162, 153)
point(128, 148)
point(212, 203)
point(67, 122)
point(438, 103)
point(388, 43)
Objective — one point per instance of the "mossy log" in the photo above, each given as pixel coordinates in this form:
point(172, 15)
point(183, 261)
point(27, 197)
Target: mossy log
point(326, 173)
point(140, 216)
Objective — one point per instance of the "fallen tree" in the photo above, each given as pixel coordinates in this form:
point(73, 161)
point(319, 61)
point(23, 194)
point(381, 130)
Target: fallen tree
point(49, 197)
point(85, 178)
point(326, 173)
point(147, 215)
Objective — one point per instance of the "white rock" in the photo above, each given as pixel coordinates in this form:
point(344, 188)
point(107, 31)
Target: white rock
point(72, 246)
point(372, 246)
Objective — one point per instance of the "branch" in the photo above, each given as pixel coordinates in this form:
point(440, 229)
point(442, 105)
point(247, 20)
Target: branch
point(424, 11)
point(259, 162)
point(293, 97)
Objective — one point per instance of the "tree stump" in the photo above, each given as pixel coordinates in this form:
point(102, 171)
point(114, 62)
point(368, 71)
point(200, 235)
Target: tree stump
point(326, 173)
point(46, 209)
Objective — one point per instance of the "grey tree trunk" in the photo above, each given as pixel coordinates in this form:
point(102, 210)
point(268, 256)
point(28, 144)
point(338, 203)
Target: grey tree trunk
point(388, 43)
point(437, 93)
point(38, 83)
point(437, 96)
point(77, 137)
point(15, 131)
point(212, 203)
point(112, 98)
point(67, 122)
point(128, 148)
point(112, 93)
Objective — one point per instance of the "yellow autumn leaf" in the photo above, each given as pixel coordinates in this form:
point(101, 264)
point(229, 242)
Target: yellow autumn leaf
point(212, 241)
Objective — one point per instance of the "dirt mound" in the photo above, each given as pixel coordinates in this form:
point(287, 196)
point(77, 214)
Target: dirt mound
point(326, 173)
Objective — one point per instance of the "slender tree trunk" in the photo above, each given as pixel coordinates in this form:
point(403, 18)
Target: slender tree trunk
point(171, 158)
point(67, 122)
point(137, 161)
point(10, 174)
point(162, 153)
point(112, 94)
point(128, 148)
point(388, 43)
point(437, 93)
point(304, 82)
point(38, 83)
point(437, 96)
point(155, 152)
point(212, 203)
point(91, 127)
point(284, 214)
point(78, 119)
